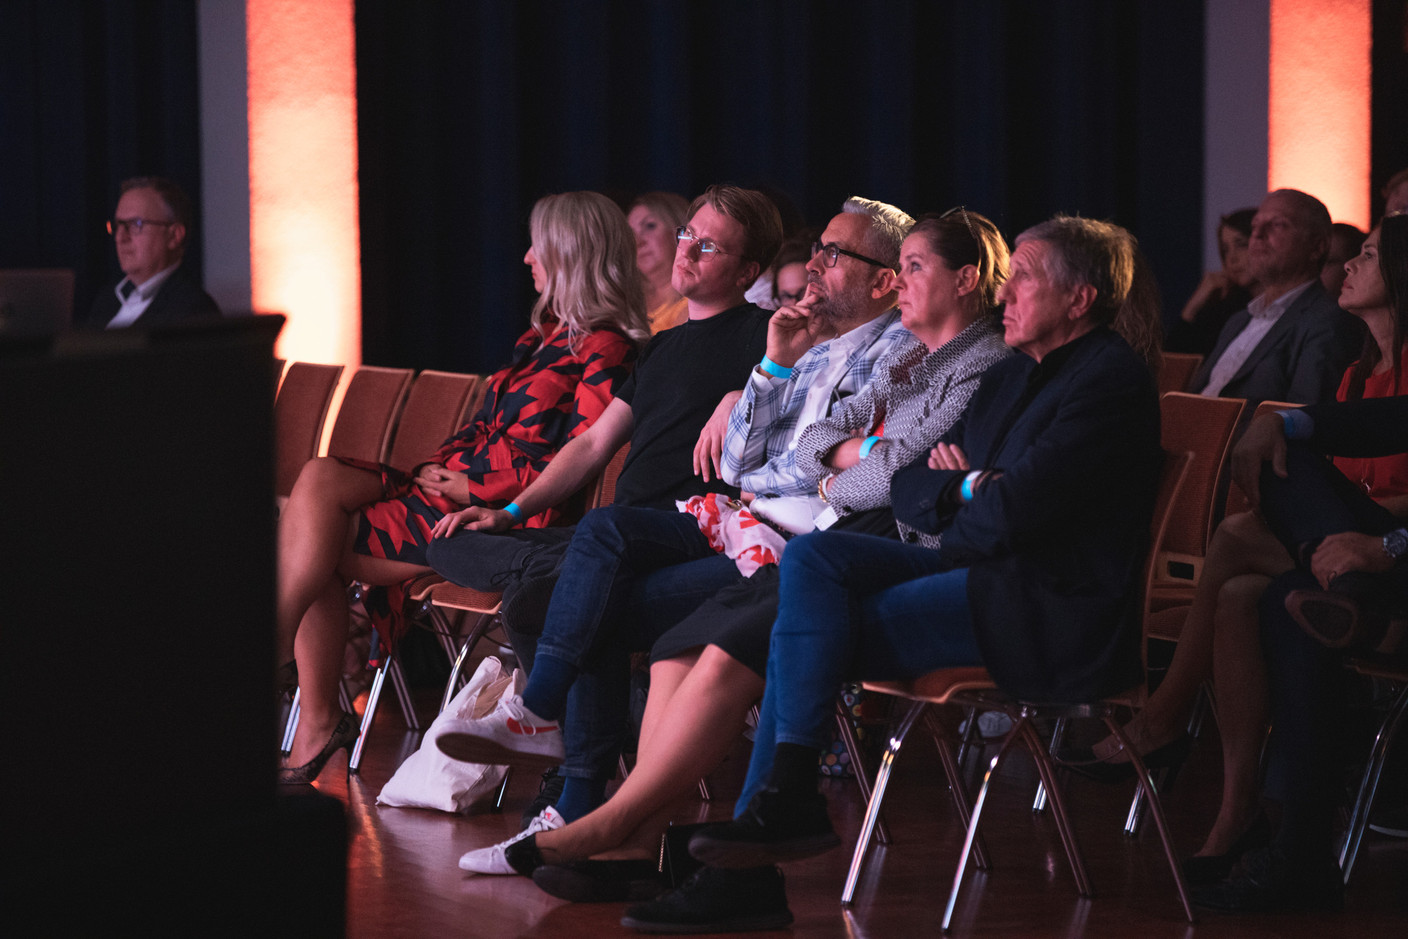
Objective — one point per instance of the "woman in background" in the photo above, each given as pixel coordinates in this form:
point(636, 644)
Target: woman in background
point(654, 216)
point(1220, 293)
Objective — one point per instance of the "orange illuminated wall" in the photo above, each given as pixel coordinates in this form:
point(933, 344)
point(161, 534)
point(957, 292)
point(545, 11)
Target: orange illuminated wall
point(1318, 113)
point(303, 228)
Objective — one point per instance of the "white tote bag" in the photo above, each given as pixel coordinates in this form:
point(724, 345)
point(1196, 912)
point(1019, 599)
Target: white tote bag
point(431, 780)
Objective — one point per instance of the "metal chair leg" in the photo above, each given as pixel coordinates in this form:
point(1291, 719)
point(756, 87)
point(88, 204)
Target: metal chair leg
point(858, 763)
point(1058, 736)
point(291, 725)
point(354, 764)
point(956, 788)
point(875, 796)
point(1046, 771)
point(403, 694)
point(1156, 807)
point(1012, 736)
point(1369, 785)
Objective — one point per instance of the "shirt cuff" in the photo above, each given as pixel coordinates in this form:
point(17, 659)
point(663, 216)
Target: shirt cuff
point(1297, 424)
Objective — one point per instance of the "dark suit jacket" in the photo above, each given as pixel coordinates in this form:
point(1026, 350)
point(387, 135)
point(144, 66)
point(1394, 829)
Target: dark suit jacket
point(1055, 547)
point(181, 297)
point(1301, 359)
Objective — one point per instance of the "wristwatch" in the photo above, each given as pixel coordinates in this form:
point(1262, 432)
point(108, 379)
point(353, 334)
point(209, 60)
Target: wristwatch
point(1396, 544)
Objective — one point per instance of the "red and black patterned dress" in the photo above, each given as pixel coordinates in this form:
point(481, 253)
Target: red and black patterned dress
point(550, 393)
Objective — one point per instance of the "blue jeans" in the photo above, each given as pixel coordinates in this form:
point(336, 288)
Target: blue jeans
point(629, 575)
point(853, 606)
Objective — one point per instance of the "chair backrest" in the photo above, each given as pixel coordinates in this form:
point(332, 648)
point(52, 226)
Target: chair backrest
point(1203, 427)
point(368, 412)
point(1176, 370)
point(604, 492)
point(1236, 498)
point(1172, 479)
point(433, 411)
point(300, 410)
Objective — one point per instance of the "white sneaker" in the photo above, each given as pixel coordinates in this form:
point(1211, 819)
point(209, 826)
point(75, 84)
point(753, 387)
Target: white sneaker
point(508, 734)
point(494, 860)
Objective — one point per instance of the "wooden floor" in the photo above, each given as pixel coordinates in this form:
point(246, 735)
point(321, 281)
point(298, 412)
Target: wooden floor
point(403, 879)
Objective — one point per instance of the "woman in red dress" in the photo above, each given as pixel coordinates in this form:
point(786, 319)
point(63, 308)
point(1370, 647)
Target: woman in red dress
point(347, 520)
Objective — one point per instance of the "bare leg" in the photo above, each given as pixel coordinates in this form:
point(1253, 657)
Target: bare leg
point(1239, 676)
point(315, 565)
point(1240, 545)
point(694, 728)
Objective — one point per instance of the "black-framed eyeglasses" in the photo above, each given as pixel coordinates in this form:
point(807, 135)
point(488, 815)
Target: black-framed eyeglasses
point(832, 253)
point(962, 210)
point(706, 245)
point(134, 226)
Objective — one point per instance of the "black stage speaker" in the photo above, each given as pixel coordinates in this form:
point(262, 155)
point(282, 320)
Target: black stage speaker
point(136, 622)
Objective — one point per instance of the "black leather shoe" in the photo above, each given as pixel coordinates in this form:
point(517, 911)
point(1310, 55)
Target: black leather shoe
point(716, 900)
point(775, 827)
point(523, 856)
point(601, 881)
point(344, 737)
point(1350, 614)
point(1213, 868)
point(1269, 881)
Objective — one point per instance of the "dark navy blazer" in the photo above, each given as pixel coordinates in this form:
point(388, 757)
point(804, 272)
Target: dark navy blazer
point(180, 297)
point(1055, 547)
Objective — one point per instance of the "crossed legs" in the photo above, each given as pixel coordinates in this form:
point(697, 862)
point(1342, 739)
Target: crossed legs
point(316, 562)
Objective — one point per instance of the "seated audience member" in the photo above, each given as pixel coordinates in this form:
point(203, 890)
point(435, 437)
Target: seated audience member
point(655, 217)
point(633, 571)
point(1345, 241)
point(1291, 343)
point(150, 226)
point(346, 520)
point(789, 271)
point(1350, 576)
point(1395, 193)
point(1039, 499)
point(1220, 293)
point(708, 670)
point(1220, 638)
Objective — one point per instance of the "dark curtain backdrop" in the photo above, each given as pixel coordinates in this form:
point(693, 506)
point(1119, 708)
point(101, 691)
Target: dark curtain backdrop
point(91, 94)
point(468, 112)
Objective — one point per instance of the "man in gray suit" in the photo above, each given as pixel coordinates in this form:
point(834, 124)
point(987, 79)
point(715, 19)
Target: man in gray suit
point(1292, 342)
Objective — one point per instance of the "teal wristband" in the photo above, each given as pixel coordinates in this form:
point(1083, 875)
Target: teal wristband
point(773, 369)
point(867, 445)
point(966, 490)
point(513, 509)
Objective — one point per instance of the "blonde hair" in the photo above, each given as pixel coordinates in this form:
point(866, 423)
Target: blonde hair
point(588, 254)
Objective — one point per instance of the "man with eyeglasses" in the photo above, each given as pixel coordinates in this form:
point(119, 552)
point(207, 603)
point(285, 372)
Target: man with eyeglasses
point(149, 228)
point(631, 572)
point(1292, 342)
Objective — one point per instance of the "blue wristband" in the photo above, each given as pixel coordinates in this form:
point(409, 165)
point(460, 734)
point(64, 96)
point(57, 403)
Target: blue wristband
point(867, 445)
point(1296, 425)
point(513, 509)
point(966, 490)
point(773, 369)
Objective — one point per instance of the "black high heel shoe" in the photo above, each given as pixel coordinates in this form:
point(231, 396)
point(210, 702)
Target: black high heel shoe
point(1214, 868)
point(344, 736)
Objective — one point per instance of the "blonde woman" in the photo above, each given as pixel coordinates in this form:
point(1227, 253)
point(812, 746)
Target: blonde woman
point(654, 216)
point(347, 520)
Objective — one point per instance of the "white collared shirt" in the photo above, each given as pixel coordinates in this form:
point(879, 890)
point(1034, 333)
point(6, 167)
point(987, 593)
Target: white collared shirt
point(134, 299)
point(1264, 314)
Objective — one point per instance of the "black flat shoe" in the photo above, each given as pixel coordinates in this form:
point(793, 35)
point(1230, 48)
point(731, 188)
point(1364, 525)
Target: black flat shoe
point(1213, 868)
point(590, 881)
point(1269, 881)
point(1083, 760)
point(775, 827)
point(344, 736)
point(716, 900)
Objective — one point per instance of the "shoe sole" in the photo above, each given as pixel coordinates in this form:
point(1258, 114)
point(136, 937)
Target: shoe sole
point(567, 883)
point(735, 854)
point(758, 923)
point(470, 749)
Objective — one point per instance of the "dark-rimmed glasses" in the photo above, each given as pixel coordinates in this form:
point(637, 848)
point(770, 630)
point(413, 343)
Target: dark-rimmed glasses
point(832, 253)
point(706, 246)
point(134, 226)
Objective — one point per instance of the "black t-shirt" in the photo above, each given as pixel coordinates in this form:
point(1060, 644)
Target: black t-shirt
point(678, 382)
